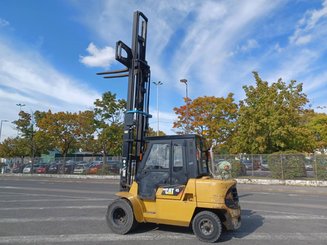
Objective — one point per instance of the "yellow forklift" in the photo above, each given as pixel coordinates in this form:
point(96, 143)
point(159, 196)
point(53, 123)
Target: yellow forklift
point(164, 179)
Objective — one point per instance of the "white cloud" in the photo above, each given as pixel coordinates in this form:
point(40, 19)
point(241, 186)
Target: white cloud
point(309, 26)
point(211, 11)
point(15, 96)
point(187, 39)
point(98, 57)
point(211, 42)
point(250, 44)
point(301, 40)
point(314, 85)
point(166, 120)
point(25, 77)
point(278, 48)
point(4, 23)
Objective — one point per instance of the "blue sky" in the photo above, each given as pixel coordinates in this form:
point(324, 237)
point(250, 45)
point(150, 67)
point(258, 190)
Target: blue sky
point(51, 50)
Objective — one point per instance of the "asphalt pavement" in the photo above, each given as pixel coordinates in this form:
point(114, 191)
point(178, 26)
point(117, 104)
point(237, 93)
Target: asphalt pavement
point(36, 210)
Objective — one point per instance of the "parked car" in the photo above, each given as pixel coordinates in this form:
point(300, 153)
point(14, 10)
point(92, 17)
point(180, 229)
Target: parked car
point(251, 165)
point(308, 167)
point(18, 169)
point(81, 168)
point(114, 167)
point(6, 169)
point(264, 166)
point(27, 169)
point(94, 167)
point(42, 169)
point(309, 161)
point(53, 168)
point(69, 168)
point(35, 167)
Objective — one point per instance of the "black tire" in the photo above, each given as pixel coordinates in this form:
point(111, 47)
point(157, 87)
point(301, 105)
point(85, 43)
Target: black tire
point(207, 226)
point(120, 217)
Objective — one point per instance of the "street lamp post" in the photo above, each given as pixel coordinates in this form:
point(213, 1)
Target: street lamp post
point(158, 84)
point(20, 106)
point(2, 121)
point(20, 109)
point(187, 100)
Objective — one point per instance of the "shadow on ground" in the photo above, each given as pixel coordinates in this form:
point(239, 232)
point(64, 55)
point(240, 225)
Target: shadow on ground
point(251, 221)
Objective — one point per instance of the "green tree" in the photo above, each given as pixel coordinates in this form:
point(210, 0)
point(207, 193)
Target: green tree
point(27, 126)
point(272, 118)
point(15, 147)
point(108, 115)
point(24, 124)
point(212, 117)
point(152, 132)
point(66, 130)
point(317, 124)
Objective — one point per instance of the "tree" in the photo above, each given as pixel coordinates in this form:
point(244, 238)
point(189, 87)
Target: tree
point(212, 117)
point(65, 130)
point(271, 118)
point(318, 126)
point(24, 124)
point(15, 147)
point(108, 114)
point(27, 126)
point(152, 132)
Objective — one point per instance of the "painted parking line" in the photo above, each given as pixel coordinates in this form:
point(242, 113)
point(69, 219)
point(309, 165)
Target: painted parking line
point(56, 190)
point(49, 219)
point(150, 236)
point(294, 205)
point(20, 194)
point(55, 207)
point(58, 200)
point(286, 217)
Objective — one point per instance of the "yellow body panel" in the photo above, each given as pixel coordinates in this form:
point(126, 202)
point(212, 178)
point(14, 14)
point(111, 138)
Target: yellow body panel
point(210, 193)
point(135, 201)
point(178, 209)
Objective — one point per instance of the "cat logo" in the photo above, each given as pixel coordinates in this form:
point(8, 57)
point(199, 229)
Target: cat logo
point(172, 191)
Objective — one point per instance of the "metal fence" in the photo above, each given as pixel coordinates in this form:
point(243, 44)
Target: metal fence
point(58, 165)
point(277, 166)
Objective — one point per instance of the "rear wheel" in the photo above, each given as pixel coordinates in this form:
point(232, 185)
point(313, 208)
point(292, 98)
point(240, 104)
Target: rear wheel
point(120, 216)
point(207, 226)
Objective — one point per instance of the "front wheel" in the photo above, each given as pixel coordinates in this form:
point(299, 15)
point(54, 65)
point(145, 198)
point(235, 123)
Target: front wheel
point(120, 217)
point(207, 226)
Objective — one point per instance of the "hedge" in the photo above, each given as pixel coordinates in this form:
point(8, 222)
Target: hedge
point(320, 167)
point(287, 165)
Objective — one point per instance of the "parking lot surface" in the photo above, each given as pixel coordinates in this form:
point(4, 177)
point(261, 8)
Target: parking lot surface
point(36, 210)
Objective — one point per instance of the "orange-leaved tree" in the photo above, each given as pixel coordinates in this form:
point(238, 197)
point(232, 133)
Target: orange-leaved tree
point(211, 117)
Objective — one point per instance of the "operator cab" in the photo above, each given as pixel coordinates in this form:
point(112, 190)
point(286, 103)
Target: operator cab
point(170, 161)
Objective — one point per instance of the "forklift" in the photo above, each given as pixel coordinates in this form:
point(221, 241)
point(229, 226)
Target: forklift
point(164, 179)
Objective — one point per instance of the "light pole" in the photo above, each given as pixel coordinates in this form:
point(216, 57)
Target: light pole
point(2, 121)
point(20, 109)
point(187, 100)
point(20, 106)
point(158, 84)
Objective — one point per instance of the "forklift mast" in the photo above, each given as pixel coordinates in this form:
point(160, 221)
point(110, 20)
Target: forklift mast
point(136, 120)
